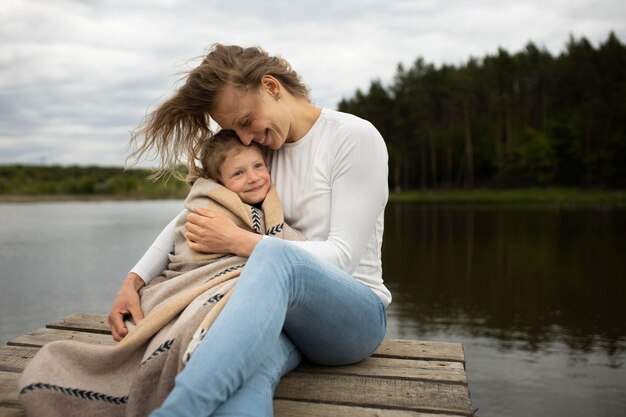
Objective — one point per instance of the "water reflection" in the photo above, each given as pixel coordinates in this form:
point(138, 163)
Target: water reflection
point(523, 277)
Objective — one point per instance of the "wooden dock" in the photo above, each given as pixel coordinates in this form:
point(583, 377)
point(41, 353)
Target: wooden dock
point(403, 378)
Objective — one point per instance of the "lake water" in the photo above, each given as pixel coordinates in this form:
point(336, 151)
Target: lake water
point(535, 294)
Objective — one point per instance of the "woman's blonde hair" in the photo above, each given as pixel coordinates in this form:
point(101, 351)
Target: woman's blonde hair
point(213, 152)
point(174, 131)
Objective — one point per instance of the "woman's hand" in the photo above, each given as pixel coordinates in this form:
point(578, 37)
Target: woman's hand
point(213, 232)
point(126, 303)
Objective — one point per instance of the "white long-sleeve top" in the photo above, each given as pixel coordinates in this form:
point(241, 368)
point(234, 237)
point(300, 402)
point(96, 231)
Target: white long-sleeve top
point(333, 186)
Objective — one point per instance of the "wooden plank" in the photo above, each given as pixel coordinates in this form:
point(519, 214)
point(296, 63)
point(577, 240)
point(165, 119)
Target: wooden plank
point(85, 322)
point(12, 412)
point(15, 358)
point(382, 393)
point(413, 349)
point(391, 348)
point(8, 389)
point(287, 408)
point(40, 337)
point(451, 372)
point(283, 408)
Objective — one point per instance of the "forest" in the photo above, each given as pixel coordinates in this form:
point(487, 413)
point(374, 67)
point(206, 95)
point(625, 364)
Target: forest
point(505, 120)
point(528, 119)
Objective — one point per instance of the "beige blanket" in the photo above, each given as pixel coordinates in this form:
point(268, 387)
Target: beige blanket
point(68, 378)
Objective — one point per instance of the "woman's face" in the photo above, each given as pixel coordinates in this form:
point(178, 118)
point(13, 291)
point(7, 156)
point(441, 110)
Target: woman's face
point(256, 116)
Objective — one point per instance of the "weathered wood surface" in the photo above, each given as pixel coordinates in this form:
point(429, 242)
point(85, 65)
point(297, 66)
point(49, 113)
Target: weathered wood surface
point(403, 378)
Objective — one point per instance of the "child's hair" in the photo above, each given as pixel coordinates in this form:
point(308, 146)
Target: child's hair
point(213, 152)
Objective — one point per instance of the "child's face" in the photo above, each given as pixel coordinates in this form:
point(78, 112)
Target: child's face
point(244, 172)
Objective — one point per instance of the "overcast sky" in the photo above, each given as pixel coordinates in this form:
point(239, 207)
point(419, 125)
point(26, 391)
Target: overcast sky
point(77, 75)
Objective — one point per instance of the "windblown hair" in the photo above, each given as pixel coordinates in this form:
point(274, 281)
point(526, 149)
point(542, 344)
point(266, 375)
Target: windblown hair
point(213, 152)
point(174, 131)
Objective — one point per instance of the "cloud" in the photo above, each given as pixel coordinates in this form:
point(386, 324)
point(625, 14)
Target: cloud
point(76, 77)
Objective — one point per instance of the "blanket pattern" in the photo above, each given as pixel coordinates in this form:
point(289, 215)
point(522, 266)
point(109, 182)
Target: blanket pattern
point(133, 377)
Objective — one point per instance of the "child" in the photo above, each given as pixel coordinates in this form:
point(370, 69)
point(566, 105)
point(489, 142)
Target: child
point(240, 168)
point(135, 375)
point(233, 180)
point(219, 158)
point(228, 168)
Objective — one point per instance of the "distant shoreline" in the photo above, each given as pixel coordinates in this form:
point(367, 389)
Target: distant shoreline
point(553, 196)
point(53, 198)
point(560, 196)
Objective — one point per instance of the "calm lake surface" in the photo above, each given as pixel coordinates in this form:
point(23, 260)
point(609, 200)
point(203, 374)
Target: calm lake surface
point(535, 294)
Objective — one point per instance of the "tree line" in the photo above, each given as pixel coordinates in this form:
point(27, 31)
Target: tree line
point(92, 180)
point(523, 119)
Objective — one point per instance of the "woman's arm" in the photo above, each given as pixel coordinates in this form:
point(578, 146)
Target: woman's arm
point(153, 262)
point(126, 303)
point(359, 171)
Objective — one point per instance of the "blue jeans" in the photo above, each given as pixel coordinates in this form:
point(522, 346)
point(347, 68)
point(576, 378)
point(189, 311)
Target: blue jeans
point(332, 318)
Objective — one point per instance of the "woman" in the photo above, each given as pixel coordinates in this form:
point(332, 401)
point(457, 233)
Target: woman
point(326, 295)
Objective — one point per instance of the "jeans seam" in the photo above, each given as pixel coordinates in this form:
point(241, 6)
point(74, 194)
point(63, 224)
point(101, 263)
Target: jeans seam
point(275, 378)
point(383, 323)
